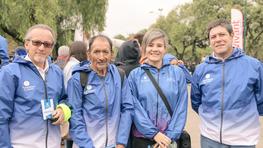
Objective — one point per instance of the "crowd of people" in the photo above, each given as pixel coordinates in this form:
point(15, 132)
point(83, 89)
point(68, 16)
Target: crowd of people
point(137, 101)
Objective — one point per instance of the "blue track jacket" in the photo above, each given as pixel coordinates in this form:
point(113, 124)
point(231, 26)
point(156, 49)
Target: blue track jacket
point(102, 111)
point(151, 114)
point(228, 96)
point(21, 120)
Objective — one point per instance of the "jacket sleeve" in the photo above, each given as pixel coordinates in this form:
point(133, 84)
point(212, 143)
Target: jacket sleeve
point(186, 73)
point(259, 90)
point(177, 123)
point(141, 119)
point(126, 114)
point(7, 87)
point(3, 51)
point(77, 130)
point(168, 58)
point(195, 92)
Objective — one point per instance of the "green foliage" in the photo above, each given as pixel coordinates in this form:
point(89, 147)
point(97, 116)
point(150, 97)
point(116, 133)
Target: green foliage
point(120, 36)
point(186, 27)
point(17, 16)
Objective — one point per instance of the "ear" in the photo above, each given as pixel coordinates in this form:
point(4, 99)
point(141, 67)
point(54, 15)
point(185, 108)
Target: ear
point(88, 55)
point(112, 54)
point(232, 34)
point(26, 44)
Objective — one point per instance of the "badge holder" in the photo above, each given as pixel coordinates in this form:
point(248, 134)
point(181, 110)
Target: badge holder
point(47, 108)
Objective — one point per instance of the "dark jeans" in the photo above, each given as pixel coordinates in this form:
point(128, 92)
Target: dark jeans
point(129, 144)
point(68, 143)
point(142, 143)
point(208, 143)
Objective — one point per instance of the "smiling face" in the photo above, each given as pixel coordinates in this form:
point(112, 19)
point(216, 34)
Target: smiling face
point(100, 55)
point(221, 41)
point(155, 51)
point(39, 46)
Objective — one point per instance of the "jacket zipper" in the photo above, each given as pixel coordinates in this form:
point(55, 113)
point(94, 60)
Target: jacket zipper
point(157, 105)
point(222, 101)
point(46, 97)
point(106, 112)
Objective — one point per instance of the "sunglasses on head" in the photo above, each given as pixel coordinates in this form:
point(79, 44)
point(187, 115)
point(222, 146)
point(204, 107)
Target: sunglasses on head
point(39, 43)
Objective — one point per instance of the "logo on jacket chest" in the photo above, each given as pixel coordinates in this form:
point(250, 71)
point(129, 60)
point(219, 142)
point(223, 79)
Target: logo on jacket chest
point(207, 79)
point(145, 78)
point(88, 89)
point(27, 86)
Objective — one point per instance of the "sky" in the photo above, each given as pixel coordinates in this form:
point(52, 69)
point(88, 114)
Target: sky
point(130, 16)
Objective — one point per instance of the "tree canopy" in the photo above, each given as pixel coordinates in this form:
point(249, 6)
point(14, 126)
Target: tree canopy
point(186, 27)
point(17, 16)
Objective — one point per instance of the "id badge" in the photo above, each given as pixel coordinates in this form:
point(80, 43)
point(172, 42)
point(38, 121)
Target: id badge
point(47, 108)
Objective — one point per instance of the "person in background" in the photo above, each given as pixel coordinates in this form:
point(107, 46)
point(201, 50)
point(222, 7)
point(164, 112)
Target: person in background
point(63, 56)
point(227, 92)
point(78, 53)
point(4, 57)
point(32, 99)
point(103, 108)
point(153, 123)
point(20, 51)
point(128, 56)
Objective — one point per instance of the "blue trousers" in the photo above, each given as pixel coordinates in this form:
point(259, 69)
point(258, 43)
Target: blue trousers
point(208, 143)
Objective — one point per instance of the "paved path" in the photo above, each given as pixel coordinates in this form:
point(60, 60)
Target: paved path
point(192, 126)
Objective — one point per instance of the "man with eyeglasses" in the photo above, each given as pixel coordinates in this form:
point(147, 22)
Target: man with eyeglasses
point(32, 97)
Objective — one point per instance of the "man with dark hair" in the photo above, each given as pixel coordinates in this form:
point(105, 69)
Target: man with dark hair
point(102, 108)
point(227, 93)
point(221, 22)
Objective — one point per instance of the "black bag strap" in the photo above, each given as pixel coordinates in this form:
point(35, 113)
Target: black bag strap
point(122, 74)
point(185, 140)
point(159, 91)
point(84, 77)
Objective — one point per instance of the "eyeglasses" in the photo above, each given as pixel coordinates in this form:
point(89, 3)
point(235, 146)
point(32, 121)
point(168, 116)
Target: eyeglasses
point(39, 43)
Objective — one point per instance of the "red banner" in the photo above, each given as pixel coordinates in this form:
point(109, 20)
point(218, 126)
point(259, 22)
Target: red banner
point(238, 27)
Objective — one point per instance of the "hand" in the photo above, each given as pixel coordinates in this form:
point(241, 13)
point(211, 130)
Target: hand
point(59, 114)
point(120, 146)
point(180, 62)
point(176, 62)
point(162, 140)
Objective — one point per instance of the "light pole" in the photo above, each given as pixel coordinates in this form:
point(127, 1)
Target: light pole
point(160, 10)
